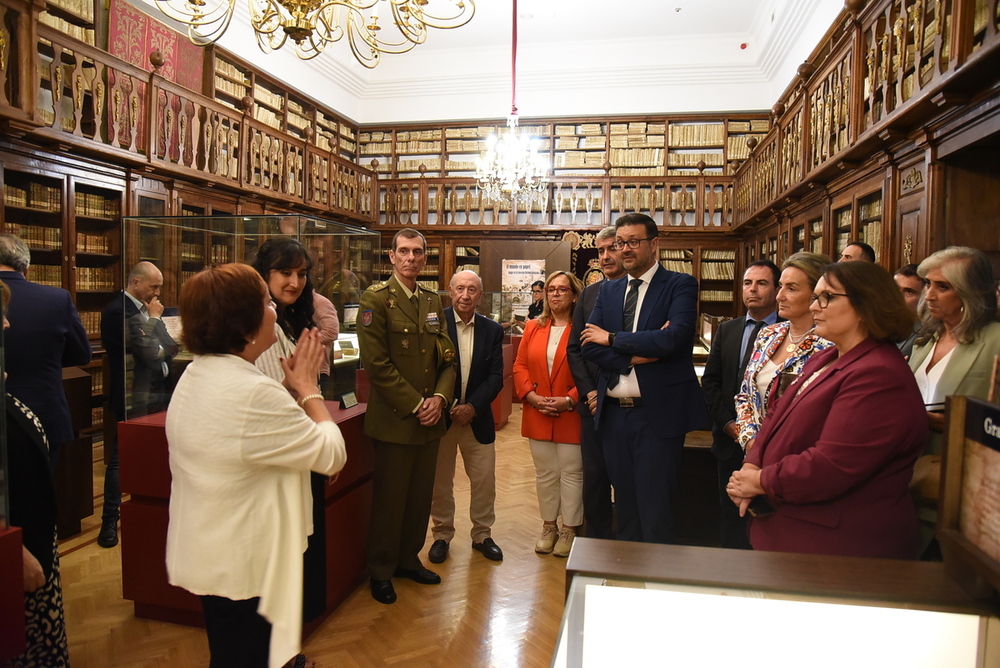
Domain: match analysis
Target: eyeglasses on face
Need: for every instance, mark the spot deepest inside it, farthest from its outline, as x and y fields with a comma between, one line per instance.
x=562, y=289
x=631, y=243
x=824, y=297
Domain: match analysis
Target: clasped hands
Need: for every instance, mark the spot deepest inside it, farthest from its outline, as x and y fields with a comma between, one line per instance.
x=743, y=486
x=549, y=406
x=429, y=413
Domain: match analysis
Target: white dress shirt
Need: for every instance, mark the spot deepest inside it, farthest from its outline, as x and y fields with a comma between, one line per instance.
x=628, y=384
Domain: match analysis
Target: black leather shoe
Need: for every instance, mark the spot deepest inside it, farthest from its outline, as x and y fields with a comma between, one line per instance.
x=420, y=575
x=438, y=552
x=383, y=592
x=109, y=534
x=489, y=549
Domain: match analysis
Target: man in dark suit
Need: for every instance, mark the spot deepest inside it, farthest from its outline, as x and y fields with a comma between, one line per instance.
x=641, y=335
x=721, y=381
x=479, y=345
x=45, y=335
x=596, y=481
x=131, y=326
x=409, y=360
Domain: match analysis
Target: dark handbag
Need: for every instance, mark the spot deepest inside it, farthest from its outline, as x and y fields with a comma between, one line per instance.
x=760, y=507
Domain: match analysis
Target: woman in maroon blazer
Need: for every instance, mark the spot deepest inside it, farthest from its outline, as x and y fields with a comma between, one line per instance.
x=831, y=470
x=544, y=382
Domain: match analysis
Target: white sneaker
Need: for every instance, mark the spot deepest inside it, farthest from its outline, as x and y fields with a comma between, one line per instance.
x=545, y=543
x=565, y=542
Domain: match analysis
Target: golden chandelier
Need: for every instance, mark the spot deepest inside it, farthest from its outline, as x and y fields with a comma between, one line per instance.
x=312, y=24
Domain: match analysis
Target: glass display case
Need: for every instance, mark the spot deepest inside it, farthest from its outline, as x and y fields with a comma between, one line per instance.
x=343, y=265
x=3, y=425
x=637, y=604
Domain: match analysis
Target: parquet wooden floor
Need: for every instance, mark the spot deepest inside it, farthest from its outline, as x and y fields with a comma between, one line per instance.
x=501, y=615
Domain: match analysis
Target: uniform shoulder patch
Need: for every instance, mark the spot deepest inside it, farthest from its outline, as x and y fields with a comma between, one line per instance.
x=366, y=318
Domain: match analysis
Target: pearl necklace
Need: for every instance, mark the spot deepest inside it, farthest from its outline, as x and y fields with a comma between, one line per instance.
x=790, y=348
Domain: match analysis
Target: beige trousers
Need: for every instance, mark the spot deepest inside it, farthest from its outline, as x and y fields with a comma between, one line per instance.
x=558, y=481
x=480, y=466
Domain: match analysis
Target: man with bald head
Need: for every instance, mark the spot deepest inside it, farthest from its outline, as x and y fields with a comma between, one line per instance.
x=478, y=341
x=133, y=335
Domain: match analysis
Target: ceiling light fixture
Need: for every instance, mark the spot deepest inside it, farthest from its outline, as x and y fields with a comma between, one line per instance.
x=313, y=24
x=512, y=170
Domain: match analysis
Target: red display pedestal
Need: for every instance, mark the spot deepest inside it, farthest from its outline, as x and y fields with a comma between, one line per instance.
x=12, y=639
x=145, y=475
x=501, y=405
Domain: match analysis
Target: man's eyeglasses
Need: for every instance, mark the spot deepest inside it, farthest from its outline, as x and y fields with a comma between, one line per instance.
x=824, y=297
x=562, y=289
x=631, y=243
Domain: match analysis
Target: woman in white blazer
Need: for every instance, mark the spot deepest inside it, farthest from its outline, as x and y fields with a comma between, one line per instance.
x=241, y=449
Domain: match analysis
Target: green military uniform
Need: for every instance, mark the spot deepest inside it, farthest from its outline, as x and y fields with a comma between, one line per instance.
x=407, y=356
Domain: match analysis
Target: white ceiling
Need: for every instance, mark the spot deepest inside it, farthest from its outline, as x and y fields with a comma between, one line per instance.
x=575, y=58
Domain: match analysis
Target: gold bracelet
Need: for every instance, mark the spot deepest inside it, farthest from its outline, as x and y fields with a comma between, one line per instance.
x=303, y=400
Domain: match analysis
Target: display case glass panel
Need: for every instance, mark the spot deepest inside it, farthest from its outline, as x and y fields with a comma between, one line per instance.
x=343, y=258
x=3, y=425
x=633, y=622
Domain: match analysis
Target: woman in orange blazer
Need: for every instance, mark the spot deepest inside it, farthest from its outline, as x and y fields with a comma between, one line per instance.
x=545, y=384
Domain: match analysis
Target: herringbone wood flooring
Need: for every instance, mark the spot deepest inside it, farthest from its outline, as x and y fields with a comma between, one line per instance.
x=484, y=613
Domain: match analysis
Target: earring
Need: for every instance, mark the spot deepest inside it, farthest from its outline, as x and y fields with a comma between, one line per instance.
x=253, y=342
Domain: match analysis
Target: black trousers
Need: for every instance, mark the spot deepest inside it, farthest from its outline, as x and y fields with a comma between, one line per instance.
x=596, y=482
x=733, y=529
x=645, y=469
x=238, y=637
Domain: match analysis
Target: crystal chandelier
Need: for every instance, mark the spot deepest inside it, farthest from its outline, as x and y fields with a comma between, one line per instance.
x=313, y=24
x=512, y=170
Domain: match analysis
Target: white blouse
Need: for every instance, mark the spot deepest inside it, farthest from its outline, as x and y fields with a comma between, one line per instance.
x=555, y=335
x=927, y=380
x=240, y=503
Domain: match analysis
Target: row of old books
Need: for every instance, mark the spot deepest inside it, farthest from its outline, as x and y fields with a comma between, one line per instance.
x=637, y=141
x=230, y=88
x=692, y=159
x=268, y=97
x=737, y=148
x=95, y=278
x=37, y=236
x=637, y=157
x=230, y=70
x=91, y=322
x=696, y=134
x=680, y=266
x=717, y=295
x=718, y=271
x=637, y=128
x=79, y=32
x=760, y=125
x=418, y=135
x=94, y=205
x=35, y=196
x=92, y=243
x=718, y=254
x=417, y=146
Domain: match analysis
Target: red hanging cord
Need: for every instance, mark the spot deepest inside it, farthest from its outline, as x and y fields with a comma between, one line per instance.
x=513, y=64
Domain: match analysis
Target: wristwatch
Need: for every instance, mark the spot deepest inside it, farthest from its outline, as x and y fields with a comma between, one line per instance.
x=611, y=339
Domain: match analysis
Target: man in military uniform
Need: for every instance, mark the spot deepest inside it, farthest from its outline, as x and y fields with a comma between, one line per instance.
x=409, y=360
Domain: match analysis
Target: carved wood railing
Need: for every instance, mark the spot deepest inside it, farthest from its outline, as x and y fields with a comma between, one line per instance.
x=693, y=203
x=82, y=98
x=882, y=69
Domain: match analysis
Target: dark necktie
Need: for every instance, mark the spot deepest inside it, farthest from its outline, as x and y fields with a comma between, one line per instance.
x=631, y=299
x=757, y=324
